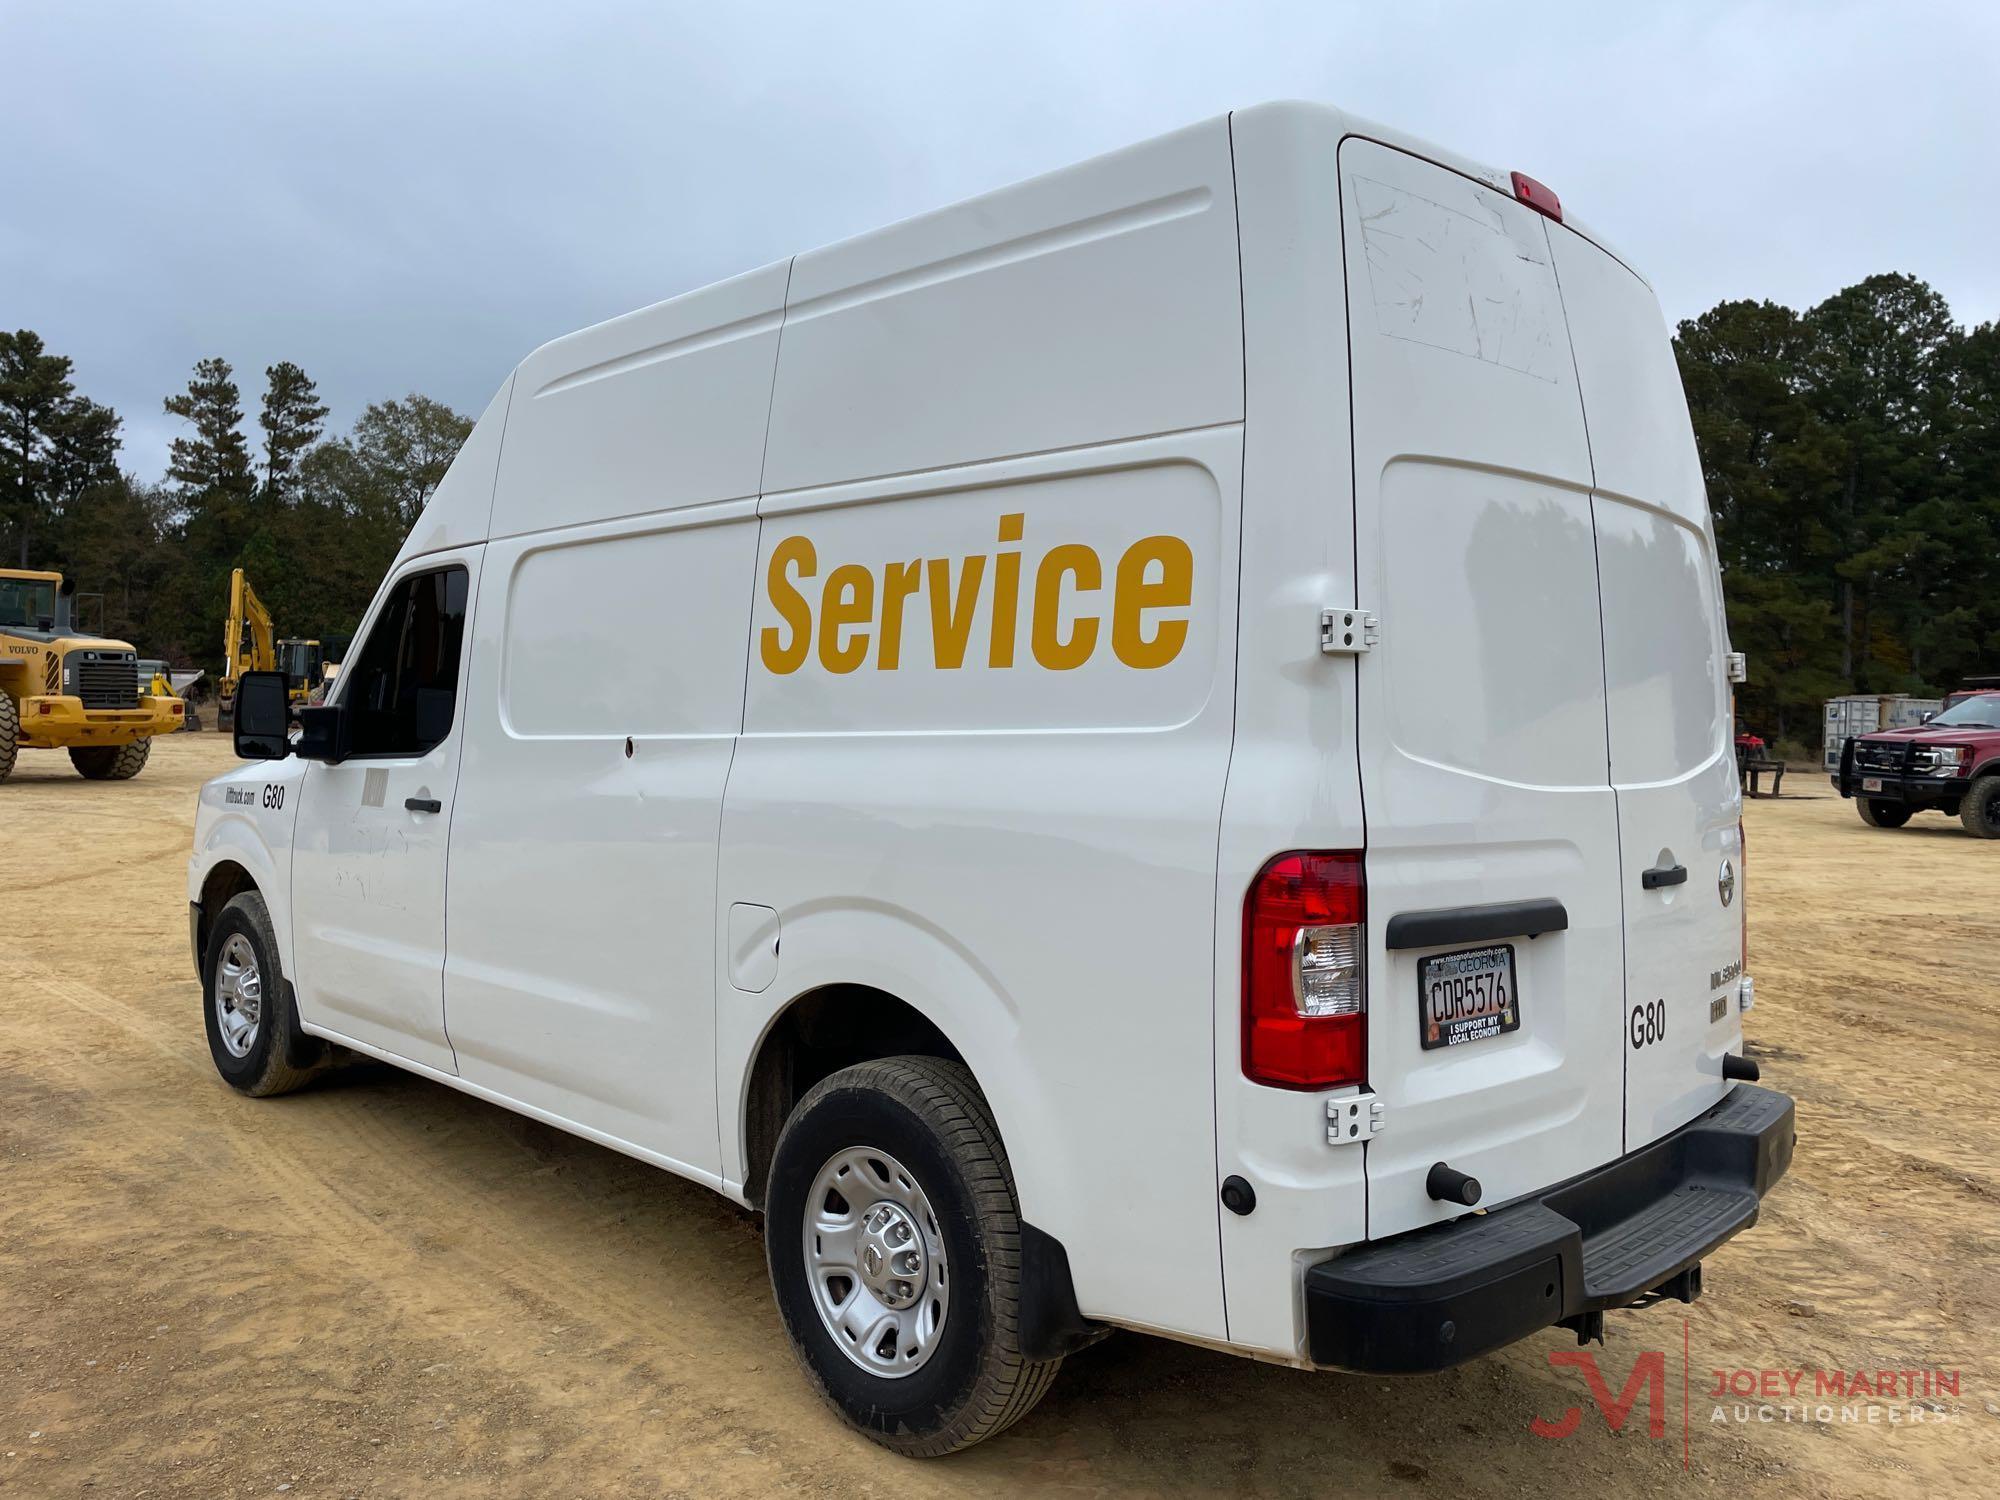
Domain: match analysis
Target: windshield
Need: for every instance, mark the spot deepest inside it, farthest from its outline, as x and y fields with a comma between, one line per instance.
x=26, y=601
x=1981, y=712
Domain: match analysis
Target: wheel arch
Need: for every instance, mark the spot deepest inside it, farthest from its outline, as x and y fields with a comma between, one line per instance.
x=234, y=840
x=836, y=1025
x=816, y=1033
x=226, y=879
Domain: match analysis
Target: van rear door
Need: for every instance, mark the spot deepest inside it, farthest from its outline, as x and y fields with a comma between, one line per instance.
x=1495, y=963
x=1672, y=762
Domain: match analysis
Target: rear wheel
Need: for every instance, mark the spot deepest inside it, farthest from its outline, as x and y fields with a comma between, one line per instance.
x=894, y=1242
x=1980, y=811
x=1883, y=814
x=10, y=735
x=111, y=762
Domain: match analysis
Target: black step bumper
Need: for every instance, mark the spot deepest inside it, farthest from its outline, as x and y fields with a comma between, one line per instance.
x=1617, y=1236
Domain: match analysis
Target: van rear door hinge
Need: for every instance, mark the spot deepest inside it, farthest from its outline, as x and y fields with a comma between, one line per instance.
x=1347, y=632
x=1352, y=1118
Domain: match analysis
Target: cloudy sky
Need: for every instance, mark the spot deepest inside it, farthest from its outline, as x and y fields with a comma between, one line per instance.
x=411, y=196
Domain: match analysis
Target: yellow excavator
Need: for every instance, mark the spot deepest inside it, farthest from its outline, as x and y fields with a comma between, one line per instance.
x=60, y=690
x=250, y=644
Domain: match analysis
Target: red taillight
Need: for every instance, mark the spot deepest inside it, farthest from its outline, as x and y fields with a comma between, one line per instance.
x=1305, y=1019
x=1537, y=197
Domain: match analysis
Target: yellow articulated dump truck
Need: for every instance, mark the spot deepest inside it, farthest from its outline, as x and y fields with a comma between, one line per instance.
x=64, y=691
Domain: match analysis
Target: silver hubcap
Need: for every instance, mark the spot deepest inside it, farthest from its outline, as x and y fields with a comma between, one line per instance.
x=876, y=1262
x=239, y=995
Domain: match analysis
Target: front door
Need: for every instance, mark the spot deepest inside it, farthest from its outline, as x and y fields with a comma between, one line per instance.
x=368, y=861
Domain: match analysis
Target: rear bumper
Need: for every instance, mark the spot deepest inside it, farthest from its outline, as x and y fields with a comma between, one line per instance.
x=1639, y=1226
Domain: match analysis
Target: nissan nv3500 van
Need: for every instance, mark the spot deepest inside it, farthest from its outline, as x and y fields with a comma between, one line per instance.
x=1150, y=750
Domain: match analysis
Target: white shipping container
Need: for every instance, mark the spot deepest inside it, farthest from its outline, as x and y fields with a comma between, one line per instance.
x=1866, y=713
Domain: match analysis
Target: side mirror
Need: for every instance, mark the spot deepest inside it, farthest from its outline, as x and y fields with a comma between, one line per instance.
x=325, y=733
x=263, y=715
x=1927, y=716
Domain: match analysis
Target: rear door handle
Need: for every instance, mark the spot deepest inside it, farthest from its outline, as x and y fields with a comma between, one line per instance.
x=431, y=805
x=1661, y=875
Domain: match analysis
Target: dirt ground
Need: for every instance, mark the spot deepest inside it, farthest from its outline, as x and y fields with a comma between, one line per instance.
x=382, y=1287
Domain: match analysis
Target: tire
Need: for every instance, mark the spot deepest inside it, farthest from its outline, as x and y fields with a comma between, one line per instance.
x=919, y=1137
x=1980, y=811
x=1883, y=814
x=10, y=735
x=111, y=762
x=257, y=1060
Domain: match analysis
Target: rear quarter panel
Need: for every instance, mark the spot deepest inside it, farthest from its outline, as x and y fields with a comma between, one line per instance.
x=1021, y=846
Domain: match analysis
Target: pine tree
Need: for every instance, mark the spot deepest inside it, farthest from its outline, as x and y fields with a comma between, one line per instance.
x=293, y=420
x=54, y=444
x=215, y=462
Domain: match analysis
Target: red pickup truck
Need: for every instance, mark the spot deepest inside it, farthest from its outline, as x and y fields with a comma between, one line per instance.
x=1950, y=763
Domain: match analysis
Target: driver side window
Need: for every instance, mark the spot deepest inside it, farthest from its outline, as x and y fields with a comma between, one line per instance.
x=402, y=690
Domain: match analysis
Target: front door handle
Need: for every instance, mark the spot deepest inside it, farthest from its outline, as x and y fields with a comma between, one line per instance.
x=431, y=805
x=1661, y=875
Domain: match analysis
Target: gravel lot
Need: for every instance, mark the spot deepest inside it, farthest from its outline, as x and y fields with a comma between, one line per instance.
x=381, y=1287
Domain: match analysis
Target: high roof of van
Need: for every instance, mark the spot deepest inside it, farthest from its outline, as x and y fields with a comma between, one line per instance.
x=1068, y=206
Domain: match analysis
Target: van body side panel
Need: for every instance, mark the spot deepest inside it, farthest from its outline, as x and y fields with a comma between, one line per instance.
x=1089, y=305
x=1667, y=697
x=1484, y=753
x=606, y=688
x=1294, y=775
x=659, y=409
x=1025, y=852
x=988, y=713
x=581, y=969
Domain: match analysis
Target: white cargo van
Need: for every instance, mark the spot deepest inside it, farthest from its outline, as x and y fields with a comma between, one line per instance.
x=1149, y=750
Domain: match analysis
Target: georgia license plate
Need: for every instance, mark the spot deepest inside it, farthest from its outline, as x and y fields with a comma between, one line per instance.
x=1871, y=783
x=1467, y=996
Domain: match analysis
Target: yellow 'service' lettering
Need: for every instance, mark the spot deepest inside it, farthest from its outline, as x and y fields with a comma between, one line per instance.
x=1152, y=590
x=779, y=655
x=951, y=618
x=1006, y=595
x=1080, y=563
x=899, y=581
x=849, y=600
x=1173, y=589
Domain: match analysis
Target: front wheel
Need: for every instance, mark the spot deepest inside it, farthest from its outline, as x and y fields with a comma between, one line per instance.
x=894, y=1243
x=252, y=1028
x=1883, y=814
x=1980, y=811
x=111, y=762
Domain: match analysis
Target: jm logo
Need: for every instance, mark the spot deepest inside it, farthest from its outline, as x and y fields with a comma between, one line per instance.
x=1648, y=1377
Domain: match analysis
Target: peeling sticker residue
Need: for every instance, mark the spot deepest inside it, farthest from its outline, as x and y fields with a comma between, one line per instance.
x=374, y=787
x=1473, y=283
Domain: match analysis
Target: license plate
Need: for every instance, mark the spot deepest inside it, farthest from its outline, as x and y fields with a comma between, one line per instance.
x=1467, y=996
x=1871, y=783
